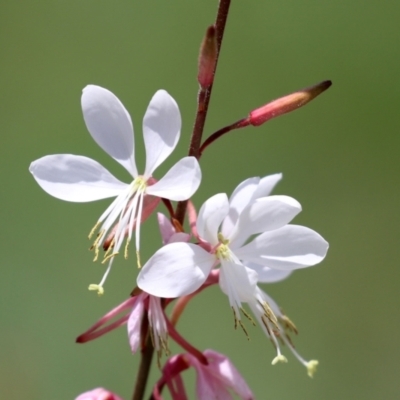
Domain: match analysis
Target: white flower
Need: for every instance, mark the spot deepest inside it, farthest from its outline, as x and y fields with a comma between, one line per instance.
x=81, y=179
x=224, y=227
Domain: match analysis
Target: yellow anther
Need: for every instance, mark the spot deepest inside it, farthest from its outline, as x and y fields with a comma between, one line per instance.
x=94, y=229
x=244, y=329
x=269, y=314
x=138, y=259
x=248, y=316
x=223, y=252
x=312, y=368
x=279, y=358
x=98, y=288
x=109, y=256
x=222, y=240
x=288, y=324
x=96, y=253
x=126, y=249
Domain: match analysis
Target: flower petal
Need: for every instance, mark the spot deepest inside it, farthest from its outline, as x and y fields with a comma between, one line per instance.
x=264, y=214
x=239, y=199
x=166, y=228
x=266, y=185
x=237, y=282
x=75, y=178
x=287, y=248
x=211, y=214
x=180, y=182
x=98, y=394
x=161, y=130
x=216, y=378
x=135, y=322
x=245, y=193
x=176, y=269
x=269, y=275
x=223, y=369
x=110, y=125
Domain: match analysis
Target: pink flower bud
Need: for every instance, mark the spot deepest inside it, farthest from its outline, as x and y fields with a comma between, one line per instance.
x=215, y=380
x=98, y=394
x=208, y=58
x=287, y=103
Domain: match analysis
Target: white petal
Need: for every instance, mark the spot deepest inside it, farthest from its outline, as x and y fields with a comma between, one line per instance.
x=110, y=125
x=288, y=248
x=239, y=199
x=75, y=178
x=180, y=182
x=269, y=275
x=264, y=214
x=211, y=214
x=179, y=237
x=266, y=185
x=237, y=282
x=161, y=130
x=177, y=269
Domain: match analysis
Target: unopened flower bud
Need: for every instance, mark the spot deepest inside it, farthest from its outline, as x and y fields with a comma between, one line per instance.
x=286, y=104
x=208, y=58
x=98, y=394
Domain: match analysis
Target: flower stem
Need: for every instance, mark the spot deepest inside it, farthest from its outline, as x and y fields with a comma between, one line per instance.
x=195, y=142
x=216, y=135
x=144, y=369
x=203, y=100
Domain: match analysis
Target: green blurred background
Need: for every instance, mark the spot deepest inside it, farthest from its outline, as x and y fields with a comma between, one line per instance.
x=339, y=156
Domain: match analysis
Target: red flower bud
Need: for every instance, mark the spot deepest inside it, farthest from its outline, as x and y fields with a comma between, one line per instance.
x=207, y=58
x=287, y=103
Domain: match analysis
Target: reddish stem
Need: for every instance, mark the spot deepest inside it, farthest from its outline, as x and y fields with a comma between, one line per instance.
x=239, y=124
x=183, y=343
x=204, y=100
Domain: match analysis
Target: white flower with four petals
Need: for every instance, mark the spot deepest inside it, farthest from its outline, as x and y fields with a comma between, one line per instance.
x=81, y=179
x=226, y=230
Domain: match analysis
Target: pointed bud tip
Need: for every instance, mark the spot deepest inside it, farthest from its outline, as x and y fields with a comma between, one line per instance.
x=80, y=339
x=207, y=58
x=287, y=103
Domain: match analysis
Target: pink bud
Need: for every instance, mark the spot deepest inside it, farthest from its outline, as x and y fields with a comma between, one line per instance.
x=287, y=103
x=208, y=58
x=98, y=394
x=215, y=380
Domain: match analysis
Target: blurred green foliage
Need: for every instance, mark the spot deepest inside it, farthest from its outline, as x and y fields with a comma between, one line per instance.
x=339, y=156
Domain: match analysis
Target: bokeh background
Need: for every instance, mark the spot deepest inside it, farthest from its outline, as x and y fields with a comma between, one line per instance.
x=339, y=156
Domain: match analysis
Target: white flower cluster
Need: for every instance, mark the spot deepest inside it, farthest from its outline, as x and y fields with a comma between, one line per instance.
x=247, y=237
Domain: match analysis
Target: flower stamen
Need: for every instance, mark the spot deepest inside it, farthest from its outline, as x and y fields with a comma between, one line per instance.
x=98, y=288
x=109, y=256
x=94, y=229
x=279, y=358
x=126, y=249
x=138, y=259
